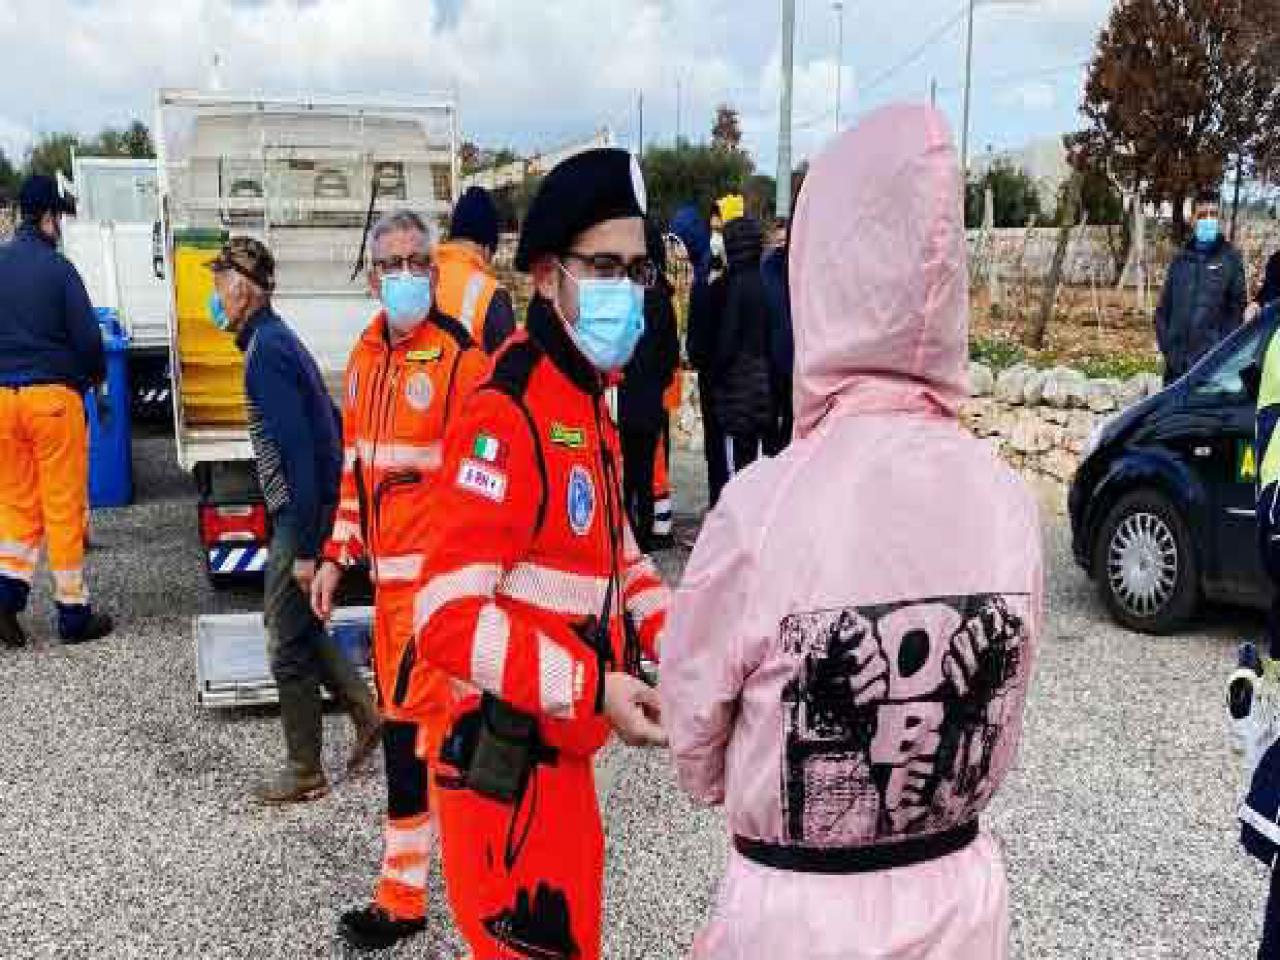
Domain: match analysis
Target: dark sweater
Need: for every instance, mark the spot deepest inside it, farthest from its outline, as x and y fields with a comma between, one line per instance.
x=294, y=427
x=48, y=331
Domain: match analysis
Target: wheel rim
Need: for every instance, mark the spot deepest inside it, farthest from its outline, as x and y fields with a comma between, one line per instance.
x=1142, y=564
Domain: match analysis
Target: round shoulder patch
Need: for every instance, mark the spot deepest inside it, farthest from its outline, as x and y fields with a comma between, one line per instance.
x=418, y=391
x=581, y=500
x=637, y=185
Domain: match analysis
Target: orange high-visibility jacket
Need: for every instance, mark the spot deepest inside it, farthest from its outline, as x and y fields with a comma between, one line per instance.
x=467, y=290
x=398, y=401
x=523, y=536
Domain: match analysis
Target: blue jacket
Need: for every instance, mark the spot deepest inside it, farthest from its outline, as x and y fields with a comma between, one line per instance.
x=1202, y=302
x=48, y=331
x=295, y=430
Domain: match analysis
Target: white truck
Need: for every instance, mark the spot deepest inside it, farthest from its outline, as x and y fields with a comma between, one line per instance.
x=307, y=177
x=112, y=242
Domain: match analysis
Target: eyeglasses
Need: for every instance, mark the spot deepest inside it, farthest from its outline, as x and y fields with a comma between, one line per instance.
x=415, y=263
x=609, y=266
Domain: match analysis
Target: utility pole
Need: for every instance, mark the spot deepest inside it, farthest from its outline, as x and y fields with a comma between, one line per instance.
x=783, y=199
x=838, y=6
x=933, y=92
x=968, y=89
x=640, y=150
x=678, y=92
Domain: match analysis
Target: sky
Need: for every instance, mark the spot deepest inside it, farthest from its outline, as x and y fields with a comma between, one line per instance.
x=535, y=74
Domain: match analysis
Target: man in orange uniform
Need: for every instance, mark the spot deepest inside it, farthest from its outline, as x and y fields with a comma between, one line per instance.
x=468, y=290
x=50, y=354
x=535, y=598
x=407, y=378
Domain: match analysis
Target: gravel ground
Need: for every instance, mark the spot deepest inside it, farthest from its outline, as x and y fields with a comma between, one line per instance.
x=125, y=832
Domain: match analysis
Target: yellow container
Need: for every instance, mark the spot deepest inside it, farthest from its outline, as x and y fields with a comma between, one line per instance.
x=194, y=281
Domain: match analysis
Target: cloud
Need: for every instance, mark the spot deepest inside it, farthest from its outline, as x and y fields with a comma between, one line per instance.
x=526, y=74
x=1034, y=95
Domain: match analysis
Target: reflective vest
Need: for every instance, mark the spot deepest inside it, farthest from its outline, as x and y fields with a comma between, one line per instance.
x=524, y=537
x=465, y=287
x=397, y=402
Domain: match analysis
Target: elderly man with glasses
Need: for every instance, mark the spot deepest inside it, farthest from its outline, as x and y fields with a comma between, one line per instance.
x=406, y=380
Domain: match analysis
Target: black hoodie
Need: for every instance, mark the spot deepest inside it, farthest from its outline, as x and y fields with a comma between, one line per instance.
x=739, y=370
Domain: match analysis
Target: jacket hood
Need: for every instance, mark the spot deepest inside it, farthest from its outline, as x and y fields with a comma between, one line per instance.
x=692, y=230
x=879, y=271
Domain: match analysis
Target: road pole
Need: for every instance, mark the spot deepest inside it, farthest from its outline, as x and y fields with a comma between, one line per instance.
x=783, y=198
x=968, y=90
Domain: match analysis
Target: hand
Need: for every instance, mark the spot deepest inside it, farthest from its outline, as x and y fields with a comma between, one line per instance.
x=304, y=571
x=1251, y=312
x=634, y=710
x=323, y=587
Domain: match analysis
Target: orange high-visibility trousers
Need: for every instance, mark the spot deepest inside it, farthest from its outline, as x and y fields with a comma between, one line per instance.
x=44, y=486
x=525, y=879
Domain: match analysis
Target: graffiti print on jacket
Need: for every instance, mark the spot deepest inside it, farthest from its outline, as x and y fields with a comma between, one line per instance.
x=901, y=718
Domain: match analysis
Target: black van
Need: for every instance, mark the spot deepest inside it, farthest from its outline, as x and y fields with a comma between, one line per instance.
x=1162, y=505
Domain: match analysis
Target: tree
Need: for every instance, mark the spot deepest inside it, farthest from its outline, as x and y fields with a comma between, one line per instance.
x=726, y=132
x=761, y=195
x=52, y=153
x=1017, y=201
x=469, y=157
x=9, y=181
x=1173, y=91
x=691, y=174
x=137, y=141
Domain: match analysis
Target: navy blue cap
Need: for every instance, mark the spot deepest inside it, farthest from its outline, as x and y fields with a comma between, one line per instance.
x=475, y=218
x=589, y=188
x=39, y=195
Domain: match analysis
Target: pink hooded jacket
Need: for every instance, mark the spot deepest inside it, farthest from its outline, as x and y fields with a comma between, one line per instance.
x=848, y=656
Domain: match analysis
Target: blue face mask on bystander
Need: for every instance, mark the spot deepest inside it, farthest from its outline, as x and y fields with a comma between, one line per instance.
x=1207, y=231
x=407, y=299
x=218, y=311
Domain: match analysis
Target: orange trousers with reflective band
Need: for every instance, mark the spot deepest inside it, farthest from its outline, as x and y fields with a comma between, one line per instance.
x=44, y=483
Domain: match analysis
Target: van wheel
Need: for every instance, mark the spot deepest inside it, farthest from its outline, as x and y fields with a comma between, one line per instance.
x=1146, y=565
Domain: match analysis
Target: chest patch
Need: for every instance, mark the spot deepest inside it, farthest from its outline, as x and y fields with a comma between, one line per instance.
x=581, y=500
x=424, y=356
x=418, y=391
x=574, y=438
x=482, y=479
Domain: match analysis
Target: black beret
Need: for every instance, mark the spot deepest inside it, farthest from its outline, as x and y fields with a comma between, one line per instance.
x=588, y=188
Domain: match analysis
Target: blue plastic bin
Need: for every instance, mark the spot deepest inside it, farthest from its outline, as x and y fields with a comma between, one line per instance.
x=110, y=430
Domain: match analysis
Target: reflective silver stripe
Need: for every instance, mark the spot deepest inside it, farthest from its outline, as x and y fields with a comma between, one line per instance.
x=351, y=506
x=407, y=859
x=13, y=572
x=648, y=602
x=639, y=569
x=387, y=456
x=68, y=586
x=402, y=569
x=344, y=530
x=555, y=679
x=554, y=590
x=1239, y=512
x=662, y=526
x=471, y=300
x=349, y=458
x=1260, y=823
x=477, y=580
x=19, y=551
x=489, y=648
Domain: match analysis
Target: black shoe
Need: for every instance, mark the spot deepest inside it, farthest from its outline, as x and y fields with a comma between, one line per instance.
x=372, y=928
x=662, y=541
x=98, y=625
x=11, y=633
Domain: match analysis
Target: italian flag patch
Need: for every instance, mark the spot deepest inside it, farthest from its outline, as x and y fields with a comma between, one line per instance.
x=486, y=448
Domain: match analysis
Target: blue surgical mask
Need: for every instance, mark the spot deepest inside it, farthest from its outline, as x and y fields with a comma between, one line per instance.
x=407, y=298
x=218, y=311
x=1207, y=231
x=610, y=321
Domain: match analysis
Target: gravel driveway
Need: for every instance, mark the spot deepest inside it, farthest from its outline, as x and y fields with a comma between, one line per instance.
x=125, y=832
